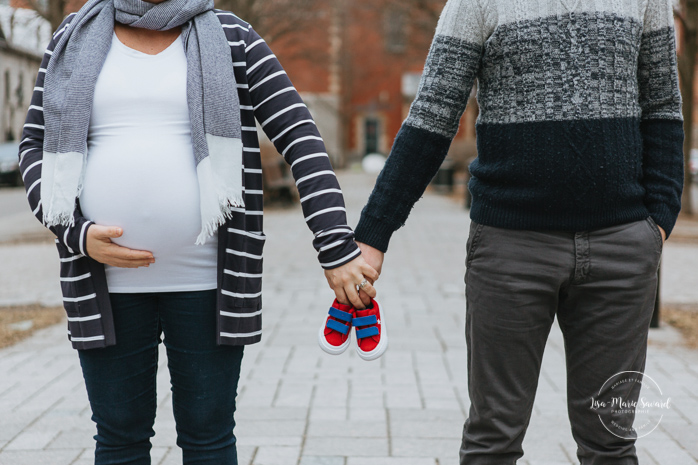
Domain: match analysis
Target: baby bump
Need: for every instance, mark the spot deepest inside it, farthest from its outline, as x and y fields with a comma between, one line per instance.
x=150, y=192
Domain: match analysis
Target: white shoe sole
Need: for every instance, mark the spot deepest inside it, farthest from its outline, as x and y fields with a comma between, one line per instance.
x=329, y=348
x=382, y=345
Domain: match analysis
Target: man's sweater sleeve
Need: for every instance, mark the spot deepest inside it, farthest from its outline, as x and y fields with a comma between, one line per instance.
x=31, y=152
x=662, y=122
x=425, y=137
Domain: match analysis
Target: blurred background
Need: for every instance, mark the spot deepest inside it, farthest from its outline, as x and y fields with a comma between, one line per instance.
x=357, y=64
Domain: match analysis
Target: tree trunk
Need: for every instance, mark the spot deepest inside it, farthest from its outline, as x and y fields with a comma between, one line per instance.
x=55, y=13
x=687, y=72
x=688, y=65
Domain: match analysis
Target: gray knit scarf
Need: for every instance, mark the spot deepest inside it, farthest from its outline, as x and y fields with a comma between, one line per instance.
x=214, y=107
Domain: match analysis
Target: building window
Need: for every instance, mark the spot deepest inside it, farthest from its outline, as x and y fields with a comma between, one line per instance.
x=371, y=135
x=395, y=29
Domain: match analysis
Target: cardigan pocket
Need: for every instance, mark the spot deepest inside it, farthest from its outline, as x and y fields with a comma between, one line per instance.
x=242, y=276
x=85, y=325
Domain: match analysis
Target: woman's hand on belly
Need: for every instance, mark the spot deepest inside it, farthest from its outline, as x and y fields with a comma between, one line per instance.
x=99, y=246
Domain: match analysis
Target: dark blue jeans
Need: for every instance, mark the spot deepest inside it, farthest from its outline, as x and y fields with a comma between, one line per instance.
x=121, y=379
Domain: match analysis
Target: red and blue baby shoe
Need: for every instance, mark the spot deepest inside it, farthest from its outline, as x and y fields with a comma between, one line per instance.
x=334, y=336
x=335, y=333
x=371, y=331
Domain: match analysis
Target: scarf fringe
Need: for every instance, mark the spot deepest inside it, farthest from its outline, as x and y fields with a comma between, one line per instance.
x=210, y=227
x=61, y=184
x=52, y=218
x=220, y=186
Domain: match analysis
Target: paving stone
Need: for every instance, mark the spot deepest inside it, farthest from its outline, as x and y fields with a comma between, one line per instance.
x=75, y=438
x=271, y=427
x=245, y=454
x=323, y=413
x=39, y=457
x=389, y=461
x=663, y=450
x=348, y=428
x=441, y=429
x=274, y=455
x=419, y=447
x=318, y=460
x=285, y=441
x=293, y=395
x=31, y=440
x=271, y=413
x=355, y=447
x=173, y=456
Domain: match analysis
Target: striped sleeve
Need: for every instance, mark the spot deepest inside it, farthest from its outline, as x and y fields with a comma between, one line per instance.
x=31, y=157
x=287, y=122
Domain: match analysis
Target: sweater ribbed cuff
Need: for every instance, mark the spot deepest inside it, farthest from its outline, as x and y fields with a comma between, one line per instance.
x=374, y=232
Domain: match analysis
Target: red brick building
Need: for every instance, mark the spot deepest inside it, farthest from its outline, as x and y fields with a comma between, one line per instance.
x=358, y=69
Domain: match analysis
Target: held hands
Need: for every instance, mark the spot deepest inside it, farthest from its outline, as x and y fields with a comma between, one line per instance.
x=99, y=246
x=373, y=257
x=345, y=279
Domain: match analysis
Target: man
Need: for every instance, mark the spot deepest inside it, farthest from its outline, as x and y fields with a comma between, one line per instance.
x=577, y=184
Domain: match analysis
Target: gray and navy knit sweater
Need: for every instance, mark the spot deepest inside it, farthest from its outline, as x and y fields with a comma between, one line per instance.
x=580, y=122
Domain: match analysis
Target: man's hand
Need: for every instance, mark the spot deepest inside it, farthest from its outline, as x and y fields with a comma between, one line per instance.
x=99, y=246
x=346, y=278
x=663, y=233
x=374, y=258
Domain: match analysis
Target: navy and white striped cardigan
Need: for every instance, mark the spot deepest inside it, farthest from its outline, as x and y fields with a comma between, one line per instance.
x=267, y=95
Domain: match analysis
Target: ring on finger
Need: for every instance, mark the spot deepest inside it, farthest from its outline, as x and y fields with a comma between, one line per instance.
x=363, y=284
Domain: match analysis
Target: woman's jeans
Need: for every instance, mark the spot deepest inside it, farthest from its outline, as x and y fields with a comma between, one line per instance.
x=120, y=379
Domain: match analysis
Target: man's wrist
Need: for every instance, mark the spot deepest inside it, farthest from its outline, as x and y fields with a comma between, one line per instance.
x=374, y=232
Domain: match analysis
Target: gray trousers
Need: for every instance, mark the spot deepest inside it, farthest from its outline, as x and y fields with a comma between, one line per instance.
x=601, y=285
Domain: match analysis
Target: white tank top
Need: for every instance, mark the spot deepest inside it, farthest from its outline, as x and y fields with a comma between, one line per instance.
x=141, y=173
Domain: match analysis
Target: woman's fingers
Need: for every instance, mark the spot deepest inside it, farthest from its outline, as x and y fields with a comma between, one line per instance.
x=124, y=253
x=105, y=232
x=369, y=290
x=345, y=279
x=341, y=296
x=367, y=293
x=353, y=296
x=129, y=263
x=100, y=247
x=365, y=298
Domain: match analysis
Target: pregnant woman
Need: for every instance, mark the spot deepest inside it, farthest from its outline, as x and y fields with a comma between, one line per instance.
x=140, y=153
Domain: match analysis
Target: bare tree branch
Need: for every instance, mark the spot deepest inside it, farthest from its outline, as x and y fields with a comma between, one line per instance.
x=34, y=5
x=276, y=19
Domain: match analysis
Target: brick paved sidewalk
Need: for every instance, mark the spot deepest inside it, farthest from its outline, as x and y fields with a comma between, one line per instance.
x=298, y=406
